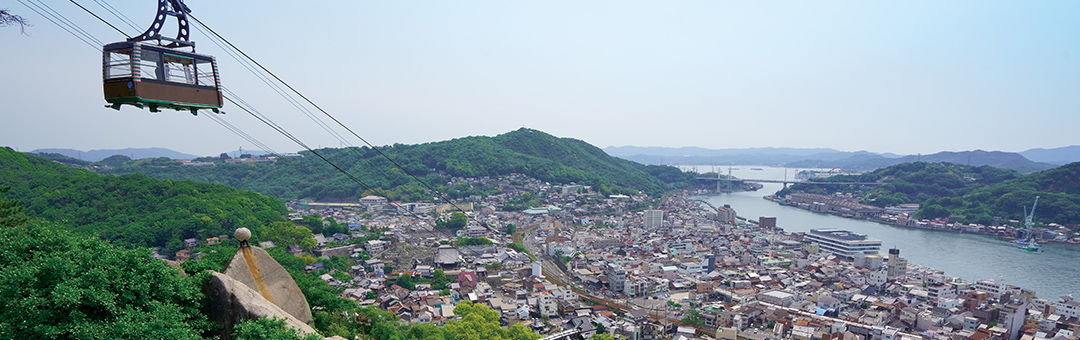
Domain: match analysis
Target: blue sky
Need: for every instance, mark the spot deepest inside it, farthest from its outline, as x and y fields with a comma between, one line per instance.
x=906, y=77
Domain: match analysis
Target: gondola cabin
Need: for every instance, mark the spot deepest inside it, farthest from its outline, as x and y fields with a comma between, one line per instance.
x=147, y=75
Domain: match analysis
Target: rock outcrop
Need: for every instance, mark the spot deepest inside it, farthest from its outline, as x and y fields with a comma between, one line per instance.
x=235, y=302
x=282, y=288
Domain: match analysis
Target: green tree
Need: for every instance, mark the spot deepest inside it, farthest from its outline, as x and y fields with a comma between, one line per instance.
x=692, y=317
x=268, y=329
x=11, y=214
x=603, y=336
x=457, y=220
x=480, y=322
x=131, y=210
x=59, y=285
x=285, y=233
x=425, y=331
x=439, y=280
x=518, y=246
x=405, y=281
x=472, y=241
x=313, y=222
x=511, y=229
x=933, y=211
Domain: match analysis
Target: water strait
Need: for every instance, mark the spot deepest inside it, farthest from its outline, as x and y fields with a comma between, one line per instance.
x=1051, y=273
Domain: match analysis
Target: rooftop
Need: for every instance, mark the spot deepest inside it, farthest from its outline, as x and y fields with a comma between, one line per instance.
x=839, y=234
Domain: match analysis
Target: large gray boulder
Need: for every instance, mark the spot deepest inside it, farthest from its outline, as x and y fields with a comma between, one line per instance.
x=283, y=289
x=234, y=302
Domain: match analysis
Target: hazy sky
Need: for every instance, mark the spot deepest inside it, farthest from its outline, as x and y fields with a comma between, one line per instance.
x=904, y=77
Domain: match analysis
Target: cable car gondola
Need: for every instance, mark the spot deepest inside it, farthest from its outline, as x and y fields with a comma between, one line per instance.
x=144, y=72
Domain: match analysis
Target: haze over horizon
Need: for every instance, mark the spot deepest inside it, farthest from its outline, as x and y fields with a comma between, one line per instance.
x=903, y=78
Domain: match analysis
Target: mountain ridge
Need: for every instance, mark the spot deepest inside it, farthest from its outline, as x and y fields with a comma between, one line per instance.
x=829, y=158
x=100, y=154
x=533, y=153
x=1060, y=156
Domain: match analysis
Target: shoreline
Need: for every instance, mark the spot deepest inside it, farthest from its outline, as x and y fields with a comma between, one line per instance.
x=774, y=199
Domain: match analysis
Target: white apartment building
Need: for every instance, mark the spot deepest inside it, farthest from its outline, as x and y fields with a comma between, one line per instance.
x=726, y=215
x=616, y=277
x=635, y=286
x=546, y=304
x=564, y=248
x=375, y=246
x=877, y=278
x=993, y=286
x=941, y=291
x=1067, y=307
x=564, y=294
x=842, y=242
x=654, y=218
x=688, y=268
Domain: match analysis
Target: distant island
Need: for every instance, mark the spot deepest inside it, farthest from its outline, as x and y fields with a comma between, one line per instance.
x=1024, y=162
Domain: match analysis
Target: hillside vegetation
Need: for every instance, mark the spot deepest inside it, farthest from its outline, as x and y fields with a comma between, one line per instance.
x=972, y=194
x=57, y=281
x=1058, y=188
x=133, y=210
x=524, y=151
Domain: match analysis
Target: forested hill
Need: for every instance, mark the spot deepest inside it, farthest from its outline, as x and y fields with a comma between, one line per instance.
x=133, y=209
x=1058, y=188
x=970, y=194
x=524, y=151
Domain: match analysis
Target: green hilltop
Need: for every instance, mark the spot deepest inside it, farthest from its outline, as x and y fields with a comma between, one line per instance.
x=60, y=282
x=524, y=151
x=132, y=210
x=968, y=193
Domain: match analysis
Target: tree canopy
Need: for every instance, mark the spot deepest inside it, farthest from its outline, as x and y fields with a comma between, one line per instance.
x=55, y=284
x=132, y=210
x=457, y=220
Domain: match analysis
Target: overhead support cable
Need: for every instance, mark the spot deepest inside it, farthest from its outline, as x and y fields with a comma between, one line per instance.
x=243, y=105
x=276, y=88
x=99, y=18
x=65, y=20
x=237, y=131
x=309, y=101
x=131, y=23
x=76, y=35
x=301, y=143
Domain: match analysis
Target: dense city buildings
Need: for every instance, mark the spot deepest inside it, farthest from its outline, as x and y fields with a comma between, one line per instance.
x=639, y=267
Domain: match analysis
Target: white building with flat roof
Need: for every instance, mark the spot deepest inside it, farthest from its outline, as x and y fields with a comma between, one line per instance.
x=842, y=242
x=778, y=297
x=993, y=286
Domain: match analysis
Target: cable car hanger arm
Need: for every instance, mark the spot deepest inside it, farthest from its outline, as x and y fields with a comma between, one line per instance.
x=167, y=8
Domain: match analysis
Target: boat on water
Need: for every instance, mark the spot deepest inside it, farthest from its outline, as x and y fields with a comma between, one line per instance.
x=757, y=169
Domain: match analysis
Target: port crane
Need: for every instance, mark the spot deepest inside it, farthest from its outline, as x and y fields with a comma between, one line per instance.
x=1028, y=223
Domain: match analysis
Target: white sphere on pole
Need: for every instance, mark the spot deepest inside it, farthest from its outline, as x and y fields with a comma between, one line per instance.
x=242, y=234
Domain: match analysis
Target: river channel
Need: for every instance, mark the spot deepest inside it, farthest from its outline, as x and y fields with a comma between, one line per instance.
x=1051, y=273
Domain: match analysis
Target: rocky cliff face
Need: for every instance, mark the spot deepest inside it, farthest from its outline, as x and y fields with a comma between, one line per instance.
x=282, y=288
x=235, y=302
